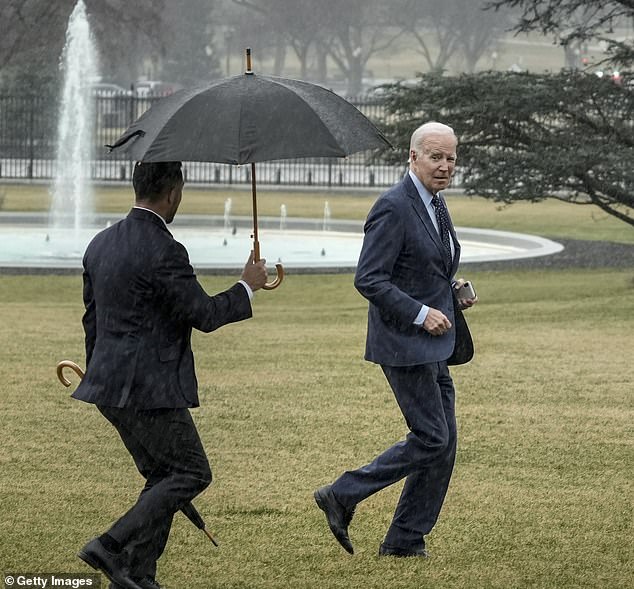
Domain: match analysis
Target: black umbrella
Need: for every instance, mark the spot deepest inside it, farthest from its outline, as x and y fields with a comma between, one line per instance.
x=189, y=510
x=248, y=119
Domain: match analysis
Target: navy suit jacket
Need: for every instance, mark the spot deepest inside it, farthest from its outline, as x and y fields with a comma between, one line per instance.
x=401, y=267
x=142, y=300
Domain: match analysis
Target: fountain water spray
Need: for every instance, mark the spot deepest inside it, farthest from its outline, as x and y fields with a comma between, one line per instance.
x=227, y=214
x=72, y=202
x=283, y=216
x=327, y=216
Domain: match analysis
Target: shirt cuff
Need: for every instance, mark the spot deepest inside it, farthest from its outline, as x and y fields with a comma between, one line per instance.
x=422, y=315
x=247, y=288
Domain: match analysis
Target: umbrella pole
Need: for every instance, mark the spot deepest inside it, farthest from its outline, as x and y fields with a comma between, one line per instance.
x=256, y=242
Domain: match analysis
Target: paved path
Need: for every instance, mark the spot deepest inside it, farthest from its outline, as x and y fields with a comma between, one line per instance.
x=576, y=254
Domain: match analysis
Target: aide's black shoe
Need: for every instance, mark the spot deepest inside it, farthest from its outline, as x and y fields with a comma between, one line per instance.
x=114, y=566
x=147, y=583
x=386, y=550
x=338, y=516
x=144, y=583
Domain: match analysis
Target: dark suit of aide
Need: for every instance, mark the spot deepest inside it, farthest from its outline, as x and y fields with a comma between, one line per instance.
x=142, y=300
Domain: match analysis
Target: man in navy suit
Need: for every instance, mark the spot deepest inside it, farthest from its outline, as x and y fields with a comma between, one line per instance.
x=409, y=256
x=142, y=300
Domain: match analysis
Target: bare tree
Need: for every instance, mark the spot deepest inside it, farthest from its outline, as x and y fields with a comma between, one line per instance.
x=443, y=29
x=358, y=29
x=32, y=32
x=573, y=22
x=295, y=23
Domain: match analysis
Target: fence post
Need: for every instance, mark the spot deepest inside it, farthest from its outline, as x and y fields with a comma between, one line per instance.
x=31, y=140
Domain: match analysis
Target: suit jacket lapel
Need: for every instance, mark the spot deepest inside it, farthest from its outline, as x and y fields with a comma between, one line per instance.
x=422, y=213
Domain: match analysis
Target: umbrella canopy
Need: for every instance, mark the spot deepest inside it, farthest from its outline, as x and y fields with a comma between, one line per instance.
x=249, y=118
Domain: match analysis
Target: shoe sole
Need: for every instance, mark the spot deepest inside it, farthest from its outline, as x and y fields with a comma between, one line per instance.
x=89, y=560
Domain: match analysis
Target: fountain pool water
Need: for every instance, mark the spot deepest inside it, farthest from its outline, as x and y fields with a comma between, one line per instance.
x=25, y=242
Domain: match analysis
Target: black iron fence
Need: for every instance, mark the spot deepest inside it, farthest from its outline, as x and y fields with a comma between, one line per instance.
x=28, y=131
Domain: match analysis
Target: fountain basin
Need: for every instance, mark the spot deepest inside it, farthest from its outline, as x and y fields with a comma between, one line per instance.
x=302, y=245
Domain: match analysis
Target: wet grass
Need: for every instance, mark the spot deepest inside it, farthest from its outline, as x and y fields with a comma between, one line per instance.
x=541, y=495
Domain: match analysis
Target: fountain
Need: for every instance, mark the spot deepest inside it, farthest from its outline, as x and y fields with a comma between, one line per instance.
x=72, y=200
x=283, y=215
x=327, y=216
x=227, y=214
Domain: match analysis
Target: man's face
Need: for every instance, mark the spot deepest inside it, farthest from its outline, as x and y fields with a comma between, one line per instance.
x=175, y=200
x=434, y=161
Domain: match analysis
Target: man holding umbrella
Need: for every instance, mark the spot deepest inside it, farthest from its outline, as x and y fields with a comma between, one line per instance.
x=142, y=300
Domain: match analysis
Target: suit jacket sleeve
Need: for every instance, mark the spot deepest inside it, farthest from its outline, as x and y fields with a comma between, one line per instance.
x=180, y=292
x=374, y=279
x=89, y=320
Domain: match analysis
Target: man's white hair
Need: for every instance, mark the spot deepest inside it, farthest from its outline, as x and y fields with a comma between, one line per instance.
x=432, y=128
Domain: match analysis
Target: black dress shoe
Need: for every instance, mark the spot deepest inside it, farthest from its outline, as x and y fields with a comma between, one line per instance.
x=337, y=515
x=147, y=583
x=144, y=583
x=386, y=550
x=114, y=566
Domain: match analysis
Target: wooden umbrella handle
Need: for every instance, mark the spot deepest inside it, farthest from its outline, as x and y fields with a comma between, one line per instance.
x=278, y=267
x=68, y=364
x=278, y=278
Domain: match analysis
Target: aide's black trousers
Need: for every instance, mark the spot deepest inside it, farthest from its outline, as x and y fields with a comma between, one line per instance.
x=167, y=451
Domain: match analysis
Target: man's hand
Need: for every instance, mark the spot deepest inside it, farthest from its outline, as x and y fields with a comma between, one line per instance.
x=254, y=273
x=464, y=303
x=436, y=322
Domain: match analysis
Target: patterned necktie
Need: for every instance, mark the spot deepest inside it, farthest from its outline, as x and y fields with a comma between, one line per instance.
x=442, y=217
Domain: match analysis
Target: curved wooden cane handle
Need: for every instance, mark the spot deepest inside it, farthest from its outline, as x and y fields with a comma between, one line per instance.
x=278, y=279
x=68, y=364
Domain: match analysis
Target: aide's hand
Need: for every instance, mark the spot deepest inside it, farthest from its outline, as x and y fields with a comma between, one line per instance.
x=254, y=273
x=464, y=303
x=436, y=322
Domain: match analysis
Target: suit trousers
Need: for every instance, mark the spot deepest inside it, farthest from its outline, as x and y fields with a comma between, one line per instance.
x=425, y=458
x=167, y=451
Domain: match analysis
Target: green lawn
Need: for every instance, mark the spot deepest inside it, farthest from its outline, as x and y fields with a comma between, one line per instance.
x=542, y=489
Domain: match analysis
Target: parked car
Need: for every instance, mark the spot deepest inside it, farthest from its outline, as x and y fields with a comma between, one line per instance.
x=106, y=89
x=145, y=88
